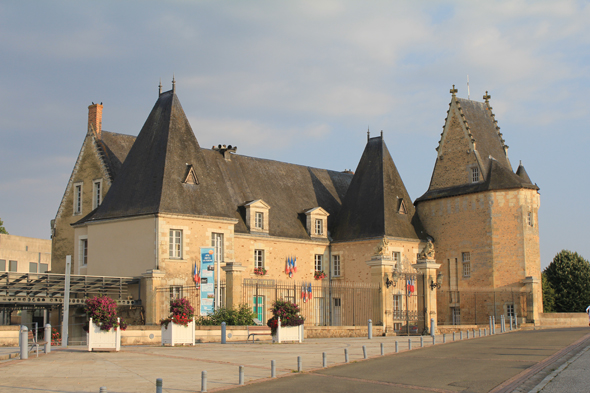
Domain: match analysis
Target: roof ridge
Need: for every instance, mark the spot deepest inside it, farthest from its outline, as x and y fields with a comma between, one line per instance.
x=486, y=98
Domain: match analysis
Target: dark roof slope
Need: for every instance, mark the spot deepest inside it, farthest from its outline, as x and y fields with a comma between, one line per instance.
x=522, y=173
x=372, y=202
x=482, y=126
x=499, y=178
x=114, y=148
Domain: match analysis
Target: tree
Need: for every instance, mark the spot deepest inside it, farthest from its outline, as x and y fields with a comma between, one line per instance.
x=569, y=276
x=2, y=229
x=548, y=295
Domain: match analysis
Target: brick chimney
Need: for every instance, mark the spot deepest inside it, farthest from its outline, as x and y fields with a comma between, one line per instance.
x=95, y=119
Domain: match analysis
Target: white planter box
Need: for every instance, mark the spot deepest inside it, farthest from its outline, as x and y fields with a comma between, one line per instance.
x=288, y=333
x=178, y=334
x=100, y=339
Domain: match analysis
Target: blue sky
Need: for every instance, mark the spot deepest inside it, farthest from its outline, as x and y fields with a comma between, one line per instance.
x=298, y=81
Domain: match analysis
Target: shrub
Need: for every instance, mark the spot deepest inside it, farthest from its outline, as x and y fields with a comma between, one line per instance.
x=288, y=312
x=103, y=311
x=241, y=316
x=181, y=313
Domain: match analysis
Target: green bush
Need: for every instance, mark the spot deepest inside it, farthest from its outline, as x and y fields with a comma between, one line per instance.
x=241, y=316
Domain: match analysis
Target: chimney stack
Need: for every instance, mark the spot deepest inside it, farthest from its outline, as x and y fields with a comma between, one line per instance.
x=95, y=119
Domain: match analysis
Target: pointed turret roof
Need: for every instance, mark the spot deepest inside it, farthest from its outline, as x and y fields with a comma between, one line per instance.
x=522, y=173
x=377, y=202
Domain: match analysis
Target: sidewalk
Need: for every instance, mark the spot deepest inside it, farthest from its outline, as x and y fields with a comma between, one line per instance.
x=474, y=365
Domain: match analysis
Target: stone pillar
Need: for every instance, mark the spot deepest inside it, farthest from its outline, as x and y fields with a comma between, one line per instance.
x=428, y=268
x=150, y=281
x=233, y=283
x=533, y=288
x=381, y=268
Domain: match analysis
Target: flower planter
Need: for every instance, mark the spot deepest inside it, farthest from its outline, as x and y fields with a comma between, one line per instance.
x=178, y=334
x=288, y=333
x=101, y=339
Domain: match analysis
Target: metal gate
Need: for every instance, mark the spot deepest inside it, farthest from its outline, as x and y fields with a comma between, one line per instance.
x=408, y=303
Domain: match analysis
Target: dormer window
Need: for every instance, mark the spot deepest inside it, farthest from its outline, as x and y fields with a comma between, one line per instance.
x=474, y=174
x=401, y=209
x=316, y=222
x=257, y=215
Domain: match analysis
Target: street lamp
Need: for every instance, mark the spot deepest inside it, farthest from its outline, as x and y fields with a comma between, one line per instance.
x=439, y=281
x=393, y=281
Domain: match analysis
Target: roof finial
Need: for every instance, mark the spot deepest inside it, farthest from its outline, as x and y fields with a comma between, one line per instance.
x=160, y=87
x=487, y=96
x=454, y=91
x=368, y=134
x=468, y=92
x=381, y=134
x=173, y=85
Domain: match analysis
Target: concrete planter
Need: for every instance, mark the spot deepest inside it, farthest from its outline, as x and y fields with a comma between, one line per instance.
x=288, y=333
x=100, y=339
x=177, y=334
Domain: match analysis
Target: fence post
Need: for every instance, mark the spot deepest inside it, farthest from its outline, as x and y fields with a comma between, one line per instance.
x=370, y=329
x=47, y=338
x=203, y=381
x=241, y=375
x=24, y=343
x=159, y=385
x=223, y=335
x=345, y=355
x=365, y=351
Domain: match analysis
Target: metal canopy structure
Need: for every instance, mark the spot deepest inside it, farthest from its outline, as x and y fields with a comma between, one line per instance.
x=45, y=289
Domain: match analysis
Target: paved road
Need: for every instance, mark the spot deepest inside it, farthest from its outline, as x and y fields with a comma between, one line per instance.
x=498, y=363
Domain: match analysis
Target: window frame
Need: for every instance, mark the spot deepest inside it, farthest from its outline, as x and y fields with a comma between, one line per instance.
x=218, y=243
x=175, y=292
x=474, y=174
x=10, y=264
x=3, y=265
x=336, y=266
x=31, y=264
x=96, y=193
x=78, y=192
x=175, y=244
x=530, y=219
x=259, y=220
x=83, y=251
x=318, y=261
x=44, y=267
x=466, y=261
x=319, y=226
x=259, y=259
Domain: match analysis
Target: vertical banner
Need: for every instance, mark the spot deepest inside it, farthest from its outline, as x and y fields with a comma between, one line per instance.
x=207, y=280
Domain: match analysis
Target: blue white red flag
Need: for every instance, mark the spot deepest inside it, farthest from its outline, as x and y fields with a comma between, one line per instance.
x=309, y=290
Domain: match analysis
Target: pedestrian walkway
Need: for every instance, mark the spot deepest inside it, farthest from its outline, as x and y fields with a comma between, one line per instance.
x=474, y=365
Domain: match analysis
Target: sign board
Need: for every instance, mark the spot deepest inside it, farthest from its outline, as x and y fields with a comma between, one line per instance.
x=207, y=280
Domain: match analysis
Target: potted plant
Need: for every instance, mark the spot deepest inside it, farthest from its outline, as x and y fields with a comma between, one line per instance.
x=286, y=324
x=103, y=328
x=319, y=275
x=260, y=271
x=179, y=327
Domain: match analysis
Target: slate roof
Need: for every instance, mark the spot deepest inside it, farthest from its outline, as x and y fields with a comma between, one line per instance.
x=522, y=173
x=114, y=149
x=498, y=178
x=371, y=206
x=151, y=179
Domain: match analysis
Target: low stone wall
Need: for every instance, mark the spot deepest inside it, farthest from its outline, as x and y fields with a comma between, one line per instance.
x=563, y=319
x=152, y=334
x=9, y=336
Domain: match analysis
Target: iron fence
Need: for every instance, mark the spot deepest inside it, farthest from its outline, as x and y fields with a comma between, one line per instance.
x=164, y=295
x=408, y=302
x=322, y=303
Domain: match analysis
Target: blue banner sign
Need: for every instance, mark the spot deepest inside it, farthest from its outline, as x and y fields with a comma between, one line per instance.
x=207, y=280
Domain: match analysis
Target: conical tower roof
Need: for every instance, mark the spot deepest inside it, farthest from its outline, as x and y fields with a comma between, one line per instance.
x=377, y=202
x=522, y=173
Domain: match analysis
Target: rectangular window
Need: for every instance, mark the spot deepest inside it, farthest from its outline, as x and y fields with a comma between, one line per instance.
x=175, y=292
x=258, y=258
x=510, y=311
x=83, y=252
x=530, y=218
x=396, y=256
x=12, y=266
x=397, y=302
x=318, y=262
x=78, y=198
x=336, y=265
x=175, y=244
x=474, y=175
x=2, y=265
x=259, y=220
x=466, y=259
x=96, y=194
x=319, y=227
x=217, y=244
x=43, y=267
x=32, y=267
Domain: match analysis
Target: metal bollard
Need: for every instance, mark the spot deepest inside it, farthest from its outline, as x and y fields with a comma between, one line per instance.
x=223, y=332
x=515, y=320
x=479, y=332
x=273, y=369
x=47, y=338
x=421, y=341
x=409, y=344
x=24, y=343
x=444, y=338
x=324, y=360
x=432, y=327
x=370, y=329
x=453, y=336
x=159, y=385
x=490, y=325
x=103, y=389
x=485, y=332
x=299, y=364
x=382, y=349
x=365, y=351
x=433, y=340
x=511, y=323
x=345, y=355
x=493, y=325
x=396, y=347
x=468, y=334
x=241, y=375
x=203, y=381
x=461, y=335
